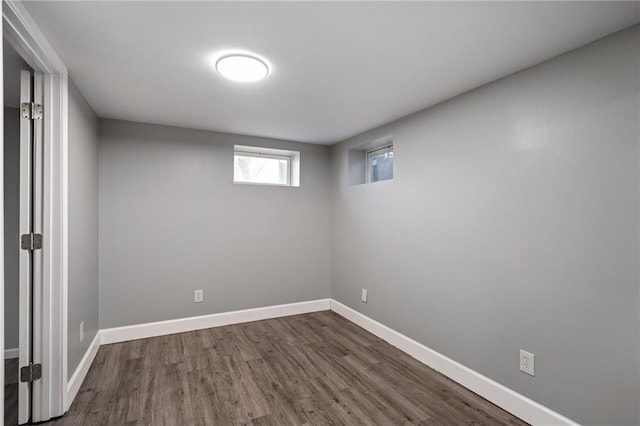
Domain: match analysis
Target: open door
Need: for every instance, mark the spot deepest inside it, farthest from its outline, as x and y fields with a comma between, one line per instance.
x=31, y=190
x=26, y=169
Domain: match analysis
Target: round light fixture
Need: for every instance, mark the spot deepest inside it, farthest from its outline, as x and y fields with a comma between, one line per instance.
x=241, y=67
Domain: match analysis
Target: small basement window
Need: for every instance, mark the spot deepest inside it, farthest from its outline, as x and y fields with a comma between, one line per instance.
x=371, y=161
x=265, y=166
x=380, y=164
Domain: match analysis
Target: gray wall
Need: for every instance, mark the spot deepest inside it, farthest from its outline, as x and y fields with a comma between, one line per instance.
x=11, y=226
x=83, y=226
x=172, y=221
x=512, y=223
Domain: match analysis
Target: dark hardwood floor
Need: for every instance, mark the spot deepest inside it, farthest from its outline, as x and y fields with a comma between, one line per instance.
x=316, y=369
x=11, y=392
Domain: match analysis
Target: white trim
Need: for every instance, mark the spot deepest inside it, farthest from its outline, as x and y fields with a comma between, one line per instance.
x=64, y=228
x=11, y=353
x=2, y=336
x=292, y=158
x=81, y=371
x=517, y=404
x=513, y=402
x=181, y=325
x=162, y=328
x=23, y=34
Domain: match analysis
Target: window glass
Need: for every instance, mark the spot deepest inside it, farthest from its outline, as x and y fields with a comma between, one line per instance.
x=261, y=168
x=380, y=164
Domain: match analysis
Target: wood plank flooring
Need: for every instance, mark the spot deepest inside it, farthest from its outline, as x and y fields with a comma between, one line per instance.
x=313, y=369
x=11, y=392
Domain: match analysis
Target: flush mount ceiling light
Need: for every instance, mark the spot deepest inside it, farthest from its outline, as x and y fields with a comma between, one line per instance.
x=241, y=67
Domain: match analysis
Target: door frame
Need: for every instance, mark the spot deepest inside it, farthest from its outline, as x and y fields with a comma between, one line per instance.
x=22, y=32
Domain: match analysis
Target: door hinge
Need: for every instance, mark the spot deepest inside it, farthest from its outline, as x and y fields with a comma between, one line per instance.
x=31, y=111
x=31, y=373
x=31, y=241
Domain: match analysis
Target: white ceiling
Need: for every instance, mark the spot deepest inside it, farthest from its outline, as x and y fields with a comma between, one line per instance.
x=338, y=68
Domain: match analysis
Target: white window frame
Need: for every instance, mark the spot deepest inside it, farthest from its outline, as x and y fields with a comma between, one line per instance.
x=291, y=157
x=370, y=155
x=286, y=158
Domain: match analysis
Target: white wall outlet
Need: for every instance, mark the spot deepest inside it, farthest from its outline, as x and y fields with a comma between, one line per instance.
x=364, y=295
x=526, y=362
x=82, y=331
x=198, y=296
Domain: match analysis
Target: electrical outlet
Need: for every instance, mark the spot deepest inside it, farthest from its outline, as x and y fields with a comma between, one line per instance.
x=82, y=331
x=198, y=296
x=364, y=295
x=526, y=362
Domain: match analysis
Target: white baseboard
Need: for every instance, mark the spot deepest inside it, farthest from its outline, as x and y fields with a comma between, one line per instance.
x=511, y=401
x=162, y=328
x=73, y=385
x=11, y=353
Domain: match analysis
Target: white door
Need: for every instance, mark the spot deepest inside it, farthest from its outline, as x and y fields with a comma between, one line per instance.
x=31, y=192
x=26, y=215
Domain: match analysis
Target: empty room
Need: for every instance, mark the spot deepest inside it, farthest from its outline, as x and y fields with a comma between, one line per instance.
x=320, y=213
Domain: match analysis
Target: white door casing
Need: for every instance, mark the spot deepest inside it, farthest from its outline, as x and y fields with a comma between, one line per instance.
x=50, y=393
x=38, y=289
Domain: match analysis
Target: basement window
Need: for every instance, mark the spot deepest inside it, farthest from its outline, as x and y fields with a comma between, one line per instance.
x=371, y=161
x=380, y=164
x=265, y=166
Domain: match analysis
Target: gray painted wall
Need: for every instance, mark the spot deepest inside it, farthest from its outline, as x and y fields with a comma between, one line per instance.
x=172, y=221
x=83, y=226
x=512, y=223
x=11, y=226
